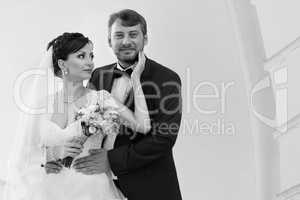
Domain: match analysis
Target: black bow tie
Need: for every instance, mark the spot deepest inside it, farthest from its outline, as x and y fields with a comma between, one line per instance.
x=117, y=73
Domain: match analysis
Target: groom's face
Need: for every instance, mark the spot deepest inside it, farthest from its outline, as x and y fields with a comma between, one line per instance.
x=126, y=41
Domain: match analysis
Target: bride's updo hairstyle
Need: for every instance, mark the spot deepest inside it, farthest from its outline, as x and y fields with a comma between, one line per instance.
x=64, y=45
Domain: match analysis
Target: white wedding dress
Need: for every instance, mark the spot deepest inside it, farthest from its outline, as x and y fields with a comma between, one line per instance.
x=27, y=180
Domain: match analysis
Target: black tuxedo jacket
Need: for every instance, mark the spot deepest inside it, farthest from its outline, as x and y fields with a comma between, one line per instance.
x=144, y=164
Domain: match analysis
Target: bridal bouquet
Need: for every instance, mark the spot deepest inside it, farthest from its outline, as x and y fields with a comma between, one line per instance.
x=96, y=119
x=100, y=117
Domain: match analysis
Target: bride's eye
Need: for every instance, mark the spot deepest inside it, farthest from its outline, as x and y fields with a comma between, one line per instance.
x=81, y=56
x=92, y=56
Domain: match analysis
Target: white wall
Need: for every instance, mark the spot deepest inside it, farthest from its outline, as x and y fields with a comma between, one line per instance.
x=279, y=26
x=194, y=38
x=278, y=19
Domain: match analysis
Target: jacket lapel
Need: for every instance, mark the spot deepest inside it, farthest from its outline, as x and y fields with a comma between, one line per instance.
x=146, y=73
x=106, y=78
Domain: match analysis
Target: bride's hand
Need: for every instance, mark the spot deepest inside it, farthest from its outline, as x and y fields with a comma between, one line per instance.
x=139, y=68
x=53, y=167
x=71, y=148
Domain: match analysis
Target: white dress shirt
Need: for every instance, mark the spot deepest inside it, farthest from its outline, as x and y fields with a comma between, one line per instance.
x=121, y=86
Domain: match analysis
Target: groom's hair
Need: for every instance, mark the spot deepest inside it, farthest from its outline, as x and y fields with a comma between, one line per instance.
x=128, y=18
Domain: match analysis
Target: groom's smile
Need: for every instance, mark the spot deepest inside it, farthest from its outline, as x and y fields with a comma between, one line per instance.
x=128, y=52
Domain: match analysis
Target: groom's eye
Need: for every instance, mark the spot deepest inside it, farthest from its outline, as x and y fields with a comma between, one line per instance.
x=133, y=35
x=118, y=36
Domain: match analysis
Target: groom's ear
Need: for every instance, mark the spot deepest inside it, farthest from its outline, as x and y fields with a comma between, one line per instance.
x=145, y=40
x=109, y=42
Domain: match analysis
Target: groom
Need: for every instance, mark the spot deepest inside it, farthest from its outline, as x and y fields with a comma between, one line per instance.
x=143, y=164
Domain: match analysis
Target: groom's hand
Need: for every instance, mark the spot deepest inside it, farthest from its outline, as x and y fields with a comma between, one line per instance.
x=95, y=163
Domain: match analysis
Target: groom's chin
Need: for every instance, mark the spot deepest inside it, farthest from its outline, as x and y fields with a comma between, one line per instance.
x=129, y=59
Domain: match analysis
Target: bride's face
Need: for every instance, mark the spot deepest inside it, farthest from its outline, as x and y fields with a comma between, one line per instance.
x=80, y=64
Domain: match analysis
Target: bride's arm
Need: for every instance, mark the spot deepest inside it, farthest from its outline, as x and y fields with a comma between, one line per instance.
x=138, y=120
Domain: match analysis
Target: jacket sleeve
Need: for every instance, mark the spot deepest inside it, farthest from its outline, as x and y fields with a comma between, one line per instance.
x=159, y=141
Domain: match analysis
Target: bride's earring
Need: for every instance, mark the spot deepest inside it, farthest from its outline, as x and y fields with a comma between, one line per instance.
x=65, y=72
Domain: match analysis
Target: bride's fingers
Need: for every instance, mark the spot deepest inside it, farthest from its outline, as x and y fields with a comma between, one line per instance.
x=74, y=145
x=142, y=59
x=53, y=165
x=141, y=56
x=73, y=150
x=52, y=168
x=71, y=155
x=140, y=65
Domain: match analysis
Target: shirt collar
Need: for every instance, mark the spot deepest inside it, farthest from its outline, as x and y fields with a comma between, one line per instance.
x=122, y=69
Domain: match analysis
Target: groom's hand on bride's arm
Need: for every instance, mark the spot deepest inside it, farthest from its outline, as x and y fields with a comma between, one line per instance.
x=95, y=163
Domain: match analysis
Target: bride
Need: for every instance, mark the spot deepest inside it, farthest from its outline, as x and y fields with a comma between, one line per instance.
x=45, y=138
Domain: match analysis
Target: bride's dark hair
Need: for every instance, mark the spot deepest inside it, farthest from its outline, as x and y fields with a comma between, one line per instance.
x=64, y=45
